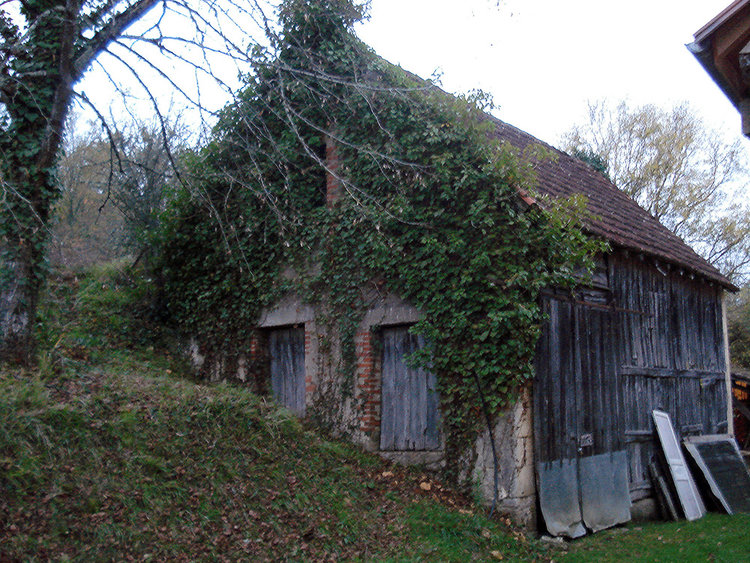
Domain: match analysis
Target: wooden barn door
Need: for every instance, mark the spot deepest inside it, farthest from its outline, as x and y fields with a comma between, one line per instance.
x=409, y=417
x=286, y=348
x=581, y=462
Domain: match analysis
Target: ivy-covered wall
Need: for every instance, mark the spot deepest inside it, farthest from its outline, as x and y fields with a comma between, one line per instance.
x=429, y=211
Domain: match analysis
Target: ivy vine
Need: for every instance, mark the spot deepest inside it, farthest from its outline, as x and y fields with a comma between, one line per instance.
x=430, y=208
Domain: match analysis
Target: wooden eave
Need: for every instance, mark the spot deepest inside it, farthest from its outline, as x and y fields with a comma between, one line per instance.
x=717, y=47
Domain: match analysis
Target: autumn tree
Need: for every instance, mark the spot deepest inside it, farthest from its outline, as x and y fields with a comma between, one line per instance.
x=46, y=47
x=679, y=170
x=739, y=329
x=83, y=229
x=142, y=177
x=109, y=204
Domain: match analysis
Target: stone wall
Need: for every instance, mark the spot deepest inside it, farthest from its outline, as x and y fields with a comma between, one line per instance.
x=514, y=445
x=350, y=406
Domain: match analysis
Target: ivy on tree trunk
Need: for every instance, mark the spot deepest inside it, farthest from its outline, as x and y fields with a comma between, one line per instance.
x=43, y=53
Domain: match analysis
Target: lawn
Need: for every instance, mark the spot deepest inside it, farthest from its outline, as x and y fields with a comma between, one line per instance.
x=716, y=537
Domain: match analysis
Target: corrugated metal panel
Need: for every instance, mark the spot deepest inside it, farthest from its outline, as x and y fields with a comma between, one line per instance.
x=559, y=497
x=605, y=497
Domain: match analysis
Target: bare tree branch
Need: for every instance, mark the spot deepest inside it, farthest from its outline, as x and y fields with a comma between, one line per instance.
x=119, y=23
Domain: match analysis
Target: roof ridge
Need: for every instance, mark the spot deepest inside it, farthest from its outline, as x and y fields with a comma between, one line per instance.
x=617, y=216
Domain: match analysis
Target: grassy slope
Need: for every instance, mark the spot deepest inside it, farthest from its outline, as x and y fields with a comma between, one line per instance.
x=124, y=459
x=107, y=453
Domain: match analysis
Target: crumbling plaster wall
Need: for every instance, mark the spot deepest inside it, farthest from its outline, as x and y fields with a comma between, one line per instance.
x=350, y=406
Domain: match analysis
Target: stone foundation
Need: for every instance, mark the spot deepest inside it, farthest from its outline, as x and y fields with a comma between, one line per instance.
x=514, y=446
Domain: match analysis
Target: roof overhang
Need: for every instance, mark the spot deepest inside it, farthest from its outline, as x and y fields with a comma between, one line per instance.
x=720, y=47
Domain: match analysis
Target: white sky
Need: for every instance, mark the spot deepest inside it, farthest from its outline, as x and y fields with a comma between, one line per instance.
x=543, y=59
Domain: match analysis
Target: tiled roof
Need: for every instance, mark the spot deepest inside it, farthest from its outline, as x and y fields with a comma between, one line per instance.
x=617, y=217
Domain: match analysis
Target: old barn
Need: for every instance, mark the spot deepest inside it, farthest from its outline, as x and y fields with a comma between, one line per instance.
x=648, y=332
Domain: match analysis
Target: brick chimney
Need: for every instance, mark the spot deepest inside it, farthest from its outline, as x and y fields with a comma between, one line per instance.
x=334, y=187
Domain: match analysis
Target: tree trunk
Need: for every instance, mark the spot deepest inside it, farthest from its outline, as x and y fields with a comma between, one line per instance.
x=38, y=68
x=19, y=295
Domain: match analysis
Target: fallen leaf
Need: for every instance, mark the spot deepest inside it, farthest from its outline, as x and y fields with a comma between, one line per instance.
x=496, y=554
x=425, y=486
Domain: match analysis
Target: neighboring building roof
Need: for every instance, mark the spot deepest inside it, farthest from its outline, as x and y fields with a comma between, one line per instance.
x=719, y=46
x=617, y=217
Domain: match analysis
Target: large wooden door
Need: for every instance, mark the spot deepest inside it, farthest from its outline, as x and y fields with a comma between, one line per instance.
x=410, y=418
x=286, y=348
x=580, y=457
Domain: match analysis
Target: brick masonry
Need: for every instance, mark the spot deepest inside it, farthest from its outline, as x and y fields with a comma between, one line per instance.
x=368, y=382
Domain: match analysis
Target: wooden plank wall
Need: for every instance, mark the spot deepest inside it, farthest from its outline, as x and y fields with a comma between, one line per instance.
x=410, y=418
x=555, y=385
x=576, y=375
x=286, y=348
x=645, y=337
x=672, y=356
x=596, y=332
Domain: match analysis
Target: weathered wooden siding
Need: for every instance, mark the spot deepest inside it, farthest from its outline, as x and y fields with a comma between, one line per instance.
x=663, y=352
x=673, y=357
x=286, y=348
x=410, y=417
x=580, y=461
x=577, y=372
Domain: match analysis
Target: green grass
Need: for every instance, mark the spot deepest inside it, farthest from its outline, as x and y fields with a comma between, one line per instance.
x=716, y=537
x=108, y=452
x=123, y=459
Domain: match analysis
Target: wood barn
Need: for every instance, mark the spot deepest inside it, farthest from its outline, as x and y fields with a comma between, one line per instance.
x=649, y=333
x=572, y=454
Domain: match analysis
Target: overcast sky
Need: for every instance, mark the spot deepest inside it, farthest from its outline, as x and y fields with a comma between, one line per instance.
x=542, y=59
